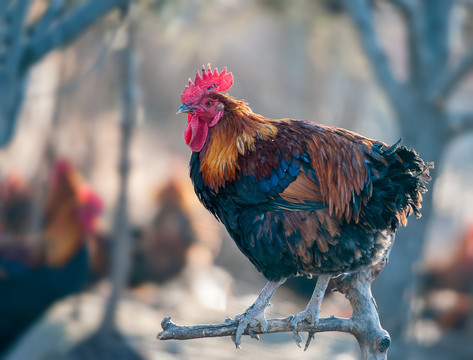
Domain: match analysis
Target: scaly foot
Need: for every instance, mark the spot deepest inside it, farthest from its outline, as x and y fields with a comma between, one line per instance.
x=311, y=313
x=254, y=315
x=252, y=318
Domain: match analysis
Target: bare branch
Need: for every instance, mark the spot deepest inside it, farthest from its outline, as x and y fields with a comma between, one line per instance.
x=177, y=332
x=419, y=56
x=12, y=82
x=436, y=15
x=50, y=14
x=363, y=324
x=427, y=34
x=361, y=13
x=450, y=79
x=67, y=29
x=23, y=45
x=460, y=123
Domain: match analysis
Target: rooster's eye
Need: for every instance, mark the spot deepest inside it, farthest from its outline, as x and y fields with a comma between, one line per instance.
x=208, y=103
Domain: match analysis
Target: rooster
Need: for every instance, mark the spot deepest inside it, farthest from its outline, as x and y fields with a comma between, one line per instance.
x=32, y=282
x=161, y=254
x=453, y=277
x=298, y=198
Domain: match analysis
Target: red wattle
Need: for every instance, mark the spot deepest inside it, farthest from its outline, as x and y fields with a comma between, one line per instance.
x=196, y=133
x=188, y=131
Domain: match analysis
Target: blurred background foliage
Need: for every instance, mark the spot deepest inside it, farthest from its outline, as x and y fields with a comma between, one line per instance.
x=301, y=59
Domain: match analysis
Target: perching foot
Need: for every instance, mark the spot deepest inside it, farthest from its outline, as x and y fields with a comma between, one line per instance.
x=312, y=311
x=310, y=314
x=254, y=317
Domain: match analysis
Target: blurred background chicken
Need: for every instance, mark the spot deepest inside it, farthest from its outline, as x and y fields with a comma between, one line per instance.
x=179, y=243
x=160, y=253
x=447, y=286
x=177, y=234
x=51, y=264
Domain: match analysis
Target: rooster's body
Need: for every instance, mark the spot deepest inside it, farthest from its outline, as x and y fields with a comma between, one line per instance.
x=297, y=197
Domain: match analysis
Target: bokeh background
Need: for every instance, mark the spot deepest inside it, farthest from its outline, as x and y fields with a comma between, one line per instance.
x=386, y=69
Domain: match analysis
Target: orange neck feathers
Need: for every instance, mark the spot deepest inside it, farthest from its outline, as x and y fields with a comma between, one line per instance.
x=234, y=135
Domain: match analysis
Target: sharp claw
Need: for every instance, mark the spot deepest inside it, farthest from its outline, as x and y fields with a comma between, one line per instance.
x=250, y=320
x=296, y=319
x=239, y=332
x=310, y=336
x=297, y=338
x=236, y=341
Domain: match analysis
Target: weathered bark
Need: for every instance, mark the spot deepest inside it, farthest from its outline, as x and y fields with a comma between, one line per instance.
x=364, y=323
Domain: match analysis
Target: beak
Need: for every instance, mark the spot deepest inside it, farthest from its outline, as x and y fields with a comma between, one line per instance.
x=185, y=109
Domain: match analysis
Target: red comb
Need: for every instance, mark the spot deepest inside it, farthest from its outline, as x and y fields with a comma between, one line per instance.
x=209, y=82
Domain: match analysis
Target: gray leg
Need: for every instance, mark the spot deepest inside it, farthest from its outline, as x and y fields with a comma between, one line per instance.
x=254, y=315
x=311, y=313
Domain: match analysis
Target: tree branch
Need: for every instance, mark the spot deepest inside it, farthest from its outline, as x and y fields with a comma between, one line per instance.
x=450, y=79
x=460, y=123
x=12, y=82
x=67, y=29
x=436, y=15
x=23, y=45
x=363, y=324
x=418, y=55
x=228, y=328
x=361, y=14
x=49, y=16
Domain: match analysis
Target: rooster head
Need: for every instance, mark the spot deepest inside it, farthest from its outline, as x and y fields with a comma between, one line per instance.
x=90, y=207
x=203, y=110
x=68, y=185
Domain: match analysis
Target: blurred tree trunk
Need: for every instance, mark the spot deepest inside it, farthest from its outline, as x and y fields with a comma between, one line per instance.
x=426, y=124
x=25, y=42
x=122, y=232
x=107, y=342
